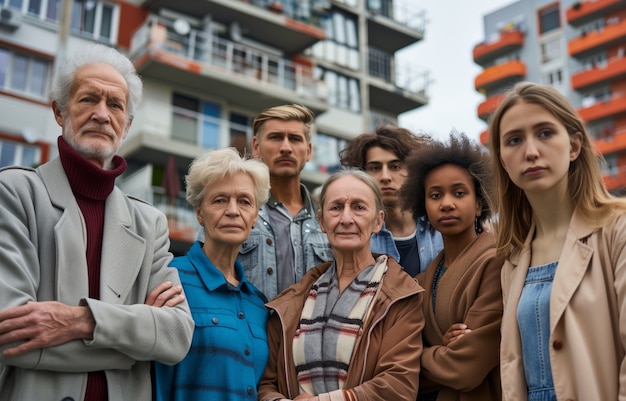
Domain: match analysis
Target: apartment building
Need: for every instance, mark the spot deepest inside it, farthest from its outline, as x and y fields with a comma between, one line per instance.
x=209, y=66
x=577, y=47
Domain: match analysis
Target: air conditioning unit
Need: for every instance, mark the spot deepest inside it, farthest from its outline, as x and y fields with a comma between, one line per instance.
x=10, y=19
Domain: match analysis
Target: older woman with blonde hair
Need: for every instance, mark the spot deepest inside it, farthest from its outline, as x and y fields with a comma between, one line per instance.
x=351, y=329
x=229, y=347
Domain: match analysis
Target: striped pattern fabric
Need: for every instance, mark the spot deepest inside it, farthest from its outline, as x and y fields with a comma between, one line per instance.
x=330, y=323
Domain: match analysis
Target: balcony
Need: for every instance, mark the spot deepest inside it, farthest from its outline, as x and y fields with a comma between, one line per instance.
x=614, y=68
x=506, y=42
x=616, y=104
x=484, y=137
x=616, y=184
x=499, y=75
x=161, y=129
x=394, y=26
x=236, y=73
x=489, y=106
x=291, y=29
x=616, y=143
x=395, y=86
x=181, y=218
x=582, y=12
x=595, y=40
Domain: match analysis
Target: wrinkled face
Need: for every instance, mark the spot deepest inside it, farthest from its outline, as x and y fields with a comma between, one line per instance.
x=389, y=172
x=228, y=210
x=283, y=146
x=536, y=149
x=451, y=203
x=96, y=119
x=349, y=215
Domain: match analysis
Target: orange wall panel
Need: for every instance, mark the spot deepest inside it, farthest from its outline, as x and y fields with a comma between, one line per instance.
x=131, y=17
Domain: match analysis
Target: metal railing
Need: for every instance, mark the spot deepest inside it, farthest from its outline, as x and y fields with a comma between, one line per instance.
x=403, y=13
x=232, y=57
x=401, y=74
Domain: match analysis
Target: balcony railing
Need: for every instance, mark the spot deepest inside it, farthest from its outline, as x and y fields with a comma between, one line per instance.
x=600, y=72
x=181, y=218
x=591, y=41
x=492, y=76
x=594, y=110
x=505, y=42
x=582, y=11
x=198, y=50
x=305, y=11
x=404, y=14
x=401, y=74
x=489, y=106
x=615, y=143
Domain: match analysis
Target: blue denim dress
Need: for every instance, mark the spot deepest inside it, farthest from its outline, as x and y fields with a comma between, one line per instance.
x=533, y=318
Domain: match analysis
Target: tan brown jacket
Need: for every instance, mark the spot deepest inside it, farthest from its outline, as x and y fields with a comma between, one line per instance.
x=385, y=362
x=469, y=292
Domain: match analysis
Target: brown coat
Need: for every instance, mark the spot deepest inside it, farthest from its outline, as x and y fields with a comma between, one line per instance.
x=587, y=315
x=385, y=362
x=469, y=292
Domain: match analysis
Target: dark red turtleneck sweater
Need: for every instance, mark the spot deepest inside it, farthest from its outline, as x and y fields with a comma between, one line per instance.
x=91, y=186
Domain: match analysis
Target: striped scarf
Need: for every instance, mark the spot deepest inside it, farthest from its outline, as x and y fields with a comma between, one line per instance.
x=329, y=326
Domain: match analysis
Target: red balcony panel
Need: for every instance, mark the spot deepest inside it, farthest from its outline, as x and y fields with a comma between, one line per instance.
x=484, y=137
x=496, y=74
x=181, y=232
x=615, y=183
x=589, y=9
x=604, y=109
x=489, y=106
x=614, y=69
x=615, y=144
x=597, y=39
x=507, y=41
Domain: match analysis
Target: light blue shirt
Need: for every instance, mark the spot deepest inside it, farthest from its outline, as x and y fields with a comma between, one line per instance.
x=258, y=254
x=429, y=243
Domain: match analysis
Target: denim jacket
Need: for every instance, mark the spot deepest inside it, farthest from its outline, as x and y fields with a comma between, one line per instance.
x=429, y=242
x=258, y=253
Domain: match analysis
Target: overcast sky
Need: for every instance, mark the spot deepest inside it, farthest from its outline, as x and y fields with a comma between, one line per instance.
x=454, y=27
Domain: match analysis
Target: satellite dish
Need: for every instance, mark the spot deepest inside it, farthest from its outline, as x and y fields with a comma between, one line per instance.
x=181, y=26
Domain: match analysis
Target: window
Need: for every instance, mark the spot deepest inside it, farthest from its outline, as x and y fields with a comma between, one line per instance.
x=553, y=78
x=380, y=64
x=343, y=91
x=382, y=7
x=95, y=20
x=601, y=129
x=342, y=44
x=195, y=127
x=326, y=152
x=43, y=9
x=551, y=49
x=549, y=19
x=19, y=154
x=24, y=73
x=241, y=133
x=609, y=166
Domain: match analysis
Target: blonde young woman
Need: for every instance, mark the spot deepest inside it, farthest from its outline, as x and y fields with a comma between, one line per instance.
x=564, y=237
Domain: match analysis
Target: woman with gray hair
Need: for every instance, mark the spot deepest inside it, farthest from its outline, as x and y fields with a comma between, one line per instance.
x=351, y=329
x=226, y=192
